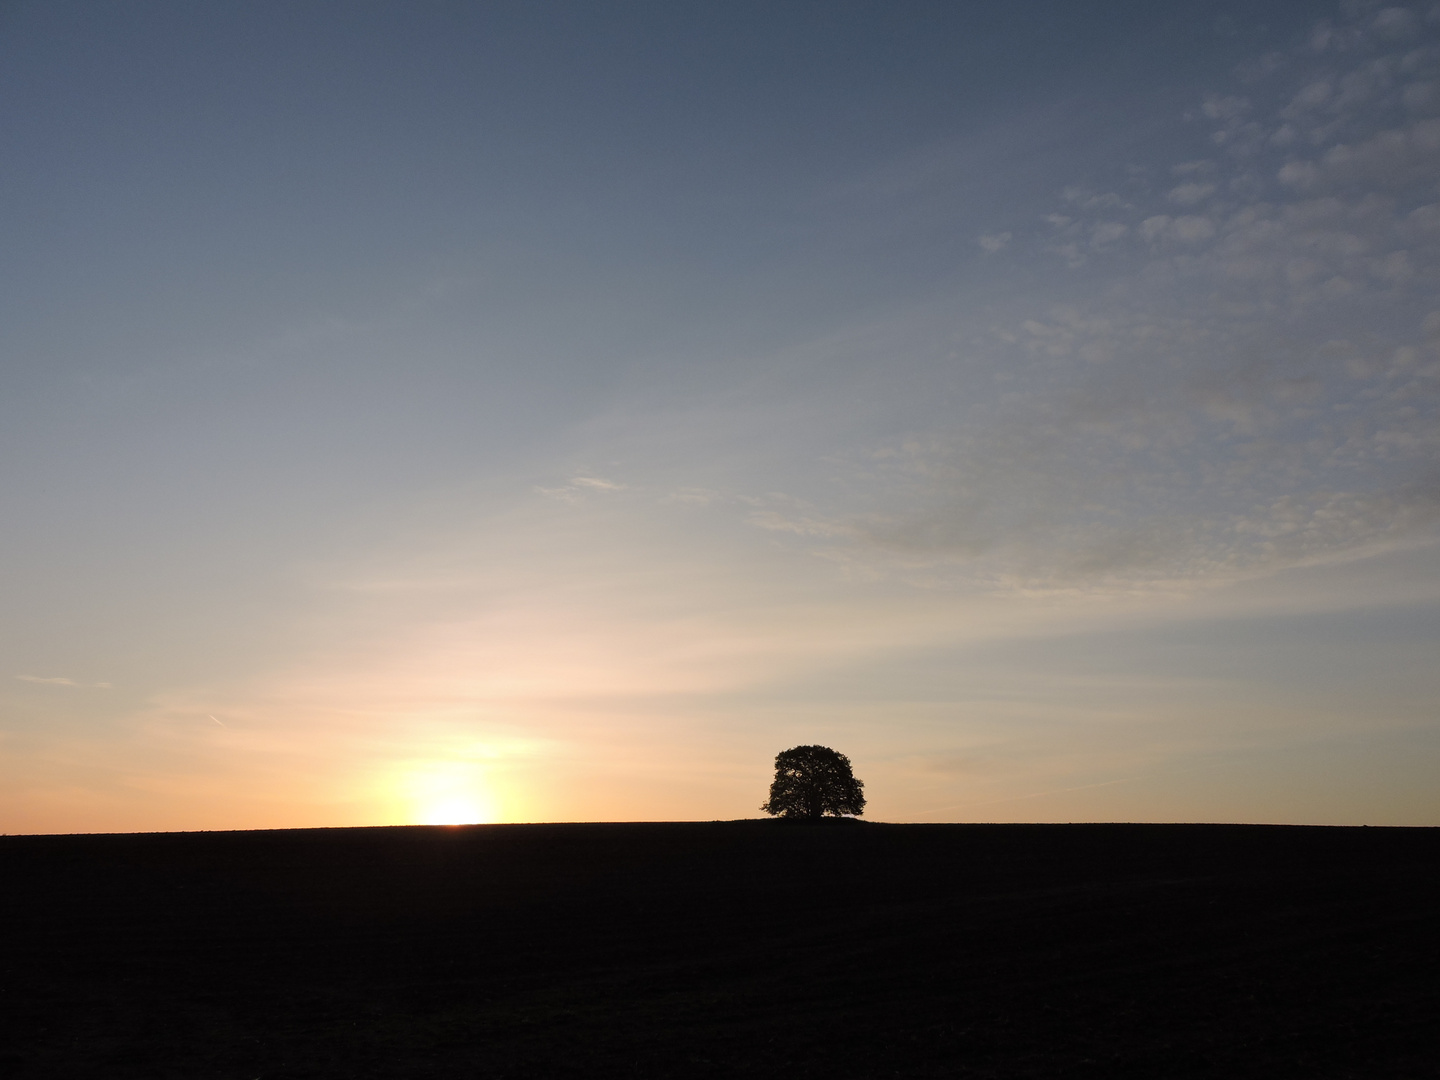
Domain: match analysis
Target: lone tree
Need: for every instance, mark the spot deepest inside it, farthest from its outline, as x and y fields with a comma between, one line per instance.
x=812, y=781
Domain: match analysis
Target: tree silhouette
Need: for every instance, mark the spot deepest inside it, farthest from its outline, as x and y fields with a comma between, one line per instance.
x=812, y=781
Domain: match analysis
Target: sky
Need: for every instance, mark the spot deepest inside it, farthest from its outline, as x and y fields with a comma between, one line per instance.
x=446, y=412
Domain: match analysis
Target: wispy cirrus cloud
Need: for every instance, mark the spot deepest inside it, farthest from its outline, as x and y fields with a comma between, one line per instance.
x=580, y=486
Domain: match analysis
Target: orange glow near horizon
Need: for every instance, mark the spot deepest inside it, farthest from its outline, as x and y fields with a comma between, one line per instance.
x=446, y=793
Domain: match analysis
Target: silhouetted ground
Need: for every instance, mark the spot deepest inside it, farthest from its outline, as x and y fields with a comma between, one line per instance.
x=726, y=949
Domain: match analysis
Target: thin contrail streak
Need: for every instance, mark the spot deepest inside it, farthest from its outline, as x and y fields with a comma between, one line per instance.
x=217, y=721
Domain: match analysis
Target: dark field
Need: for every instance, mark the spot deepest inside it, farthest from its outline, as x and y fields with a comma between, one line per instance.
x=724, y=949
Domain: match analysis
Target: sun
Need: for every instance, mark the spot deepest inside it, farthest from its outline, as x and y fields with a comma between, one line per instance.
x=455, y=810
x=447, y=793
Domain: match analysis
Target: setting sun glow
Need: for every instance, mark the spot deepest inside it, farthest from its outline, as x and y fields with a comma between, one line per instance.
x=447, y=793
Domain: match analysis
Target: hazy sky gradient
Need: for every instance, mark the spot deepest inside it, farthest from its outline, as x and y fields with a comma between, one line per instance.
x=534, y=411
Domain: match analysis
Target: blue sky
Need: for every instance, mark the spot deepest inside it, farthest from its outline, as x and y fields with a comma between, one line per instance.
x=551, y=411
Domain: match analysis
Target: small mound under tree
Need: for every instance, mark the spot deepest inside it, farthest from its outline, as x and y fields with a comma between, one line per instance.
x=813, y=781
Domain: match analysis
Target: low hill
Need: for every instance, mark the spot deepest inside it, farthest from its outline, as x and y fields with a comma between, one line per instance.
x=752, y=948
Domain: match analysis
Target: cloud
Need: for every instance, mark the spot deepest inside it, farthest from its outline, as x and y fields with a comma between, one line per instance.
x=695, y=496
x=1396, y=22
x=578, y=487
x=994, y=243
x=1217, y=107
x=1107, y=232
x=1187, y=228
x=1190, y=194
x=1246, y=389
x=56, y=680
x=775, y=521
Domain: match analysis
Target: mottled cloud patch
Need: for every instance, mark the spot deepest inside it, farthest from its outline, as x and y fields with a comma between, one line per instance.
x=1255, y=387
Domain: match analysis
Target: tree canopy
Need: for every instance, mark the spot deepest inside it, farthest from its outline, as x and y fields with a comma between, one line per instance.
x=813, y=781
